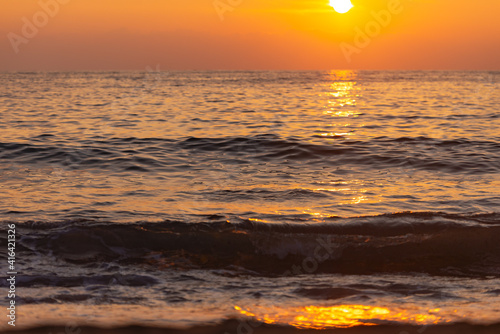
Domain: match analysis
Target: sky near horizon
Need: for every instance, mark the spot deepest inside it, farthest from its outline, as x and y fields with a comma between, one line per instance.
x=56, y=35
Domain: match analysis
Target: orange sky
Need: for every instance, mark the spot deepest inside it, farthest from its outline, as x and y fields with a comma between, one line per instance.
x=254, y=34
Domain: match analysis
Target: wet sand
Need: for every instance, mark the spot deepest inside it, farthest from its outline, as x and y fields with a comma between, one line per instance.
x=236, y=327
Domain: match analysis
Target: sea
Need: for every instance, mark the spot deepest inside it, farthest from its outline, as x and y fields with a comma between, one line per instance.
x=303, y=199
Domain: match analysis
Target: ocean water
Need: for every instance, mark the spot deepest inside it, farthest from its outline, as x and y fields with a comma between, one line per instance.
x=311, y=199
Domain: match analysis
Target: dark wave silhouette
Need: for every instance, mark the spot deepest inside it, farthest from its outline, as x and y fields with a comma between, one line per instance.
x=154, y=154
x=434, y=243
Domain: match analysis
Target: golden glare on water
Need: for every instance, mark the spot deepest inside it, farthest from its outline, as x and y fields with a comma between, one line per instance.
x=340, y=316
x=342, y=94
x=341, y=6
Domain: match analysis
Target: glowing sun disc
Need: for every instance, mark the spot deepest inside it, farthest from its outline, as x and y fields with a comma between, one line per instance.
x=341, y=6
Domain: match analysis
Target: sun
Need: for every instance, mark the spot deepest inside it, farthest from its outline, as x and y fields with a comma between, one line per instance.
x=341, y=6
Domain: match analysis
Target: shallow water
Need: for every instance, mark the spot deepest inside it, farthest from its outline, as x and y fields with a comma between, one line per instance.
x=284, y=196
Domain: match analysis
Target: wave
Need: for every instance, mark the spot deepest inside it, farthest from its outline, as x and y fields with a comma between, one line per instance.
x=154, y=154
x=77, y=281
x=433, y=243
